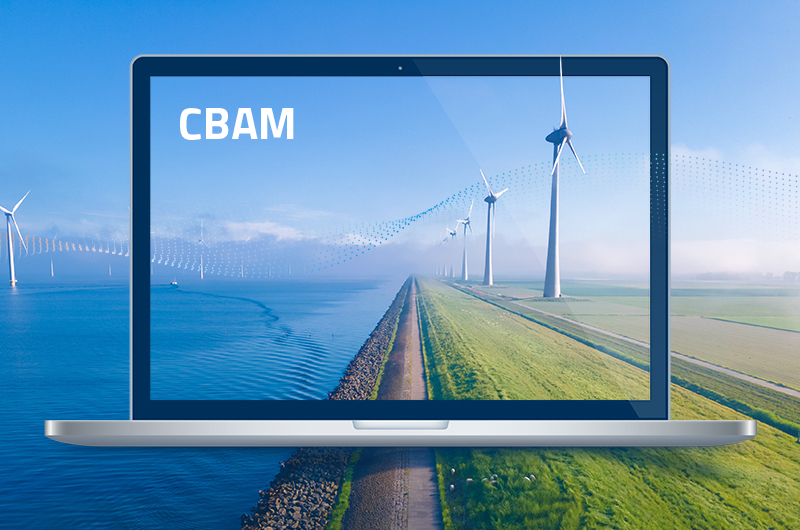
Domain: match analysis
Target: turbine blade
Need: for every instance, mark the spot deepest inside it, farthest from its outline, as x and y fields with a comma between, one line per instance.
x=21, y=239
x=470, y=209
x=20, y=202
x=4, y=210
x=499, y=194
x=486, y=182
x=558, y=155
x=206, y=244
x=563, y=105
x=576, y=156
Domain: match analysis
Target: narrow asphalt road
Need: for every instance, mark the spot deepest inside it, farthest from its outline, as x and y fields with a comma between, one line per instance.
x=397, y=489
x=424, y=509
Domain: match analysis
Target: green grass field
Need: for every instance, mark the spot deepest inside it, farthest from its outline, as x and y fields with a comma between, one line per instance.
x=749, y=485
x=778, y=409
x=479, y=351
x=747, y=328
x=755, y=484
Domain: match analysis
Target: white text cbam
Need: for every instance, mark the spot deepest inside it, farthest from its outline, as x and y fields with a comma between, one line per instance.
x=245, y=125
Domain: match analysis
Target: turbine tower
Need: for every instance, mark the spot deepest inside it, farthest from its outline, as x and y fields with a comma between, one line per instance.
x=491, y=199
x=465, y=222
x=559, y=137
x=9, y=218
x=452, y=234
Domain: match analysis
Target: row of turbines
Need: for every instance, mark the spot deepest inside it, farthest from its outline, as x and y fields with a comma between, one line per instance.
x=560, y=137
x=49, y=244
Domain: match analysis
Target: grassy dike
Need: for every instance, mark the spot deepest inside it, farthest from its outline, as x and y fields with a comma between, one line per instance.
x=749, y=485
x=342, y=500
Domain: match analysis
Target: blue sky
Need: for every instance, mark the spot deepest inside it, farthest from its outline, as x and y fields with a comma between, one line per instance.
x=64, y=71
x=381, y=149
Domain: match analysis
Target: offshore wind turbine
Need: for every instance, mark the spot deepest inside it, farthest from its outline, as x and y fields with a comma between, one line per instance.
x=559, y=137
x=9, y=218
x=201, y=242
x=488, y=279
x=466, y=223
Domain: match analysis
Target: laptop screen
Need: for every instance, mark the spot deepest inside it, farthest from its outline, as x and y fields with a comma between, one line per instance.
x=399, y=238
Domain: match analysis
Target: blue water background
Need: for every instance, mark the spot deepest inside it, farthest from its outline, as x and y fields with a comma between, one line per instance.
x=65, y=356
x=259, y=340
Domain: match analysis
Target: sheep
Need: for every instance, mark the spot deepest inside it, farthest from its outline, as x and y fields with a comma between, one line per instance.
x=452, y=487
x=484, y=480
x=494, y=476
x=452, y=471
x=533, y=477
x=526, y=478
x=469, y=481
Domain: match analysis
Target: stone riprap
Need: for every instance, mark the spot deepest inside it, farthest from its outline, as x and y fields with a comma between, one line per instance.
x=304, y=492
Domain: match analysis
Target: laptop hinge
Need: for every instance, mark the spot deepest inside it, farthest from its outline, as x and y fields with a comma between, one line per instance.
x=439, y=425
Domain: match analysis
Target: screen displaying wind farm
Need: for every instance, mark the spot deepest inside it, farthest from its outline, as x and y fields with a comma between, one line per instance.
x=447, y=238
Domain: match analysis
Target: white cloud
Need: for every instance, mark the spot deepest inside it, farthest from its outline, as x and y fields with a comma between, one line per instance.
x=707, y=153
x=734, y=255
x=759, y=156
x=242, y=231
x=754, y=154
x=76, y=228
x=350, y=239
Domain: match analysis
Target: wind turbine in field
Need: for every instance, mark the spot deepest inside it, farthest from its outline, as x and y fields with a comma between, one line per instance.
x=490, y=228
x=201, y=242
x=559, y=137
x=9, y=218
x=452, y=234
x=465, y=222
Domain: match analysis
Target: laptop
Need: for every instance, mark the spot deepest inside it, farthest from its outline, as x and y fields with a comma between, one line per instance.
x=399, y=251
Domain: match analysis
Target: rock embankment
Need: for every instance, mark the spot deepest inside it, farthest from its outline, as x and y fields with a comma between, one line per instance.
x=303, y=493
x=361, y=374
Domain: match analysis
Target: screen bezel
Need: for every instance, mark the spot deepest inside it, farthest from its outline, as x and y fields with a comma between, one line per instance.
x=143, y=68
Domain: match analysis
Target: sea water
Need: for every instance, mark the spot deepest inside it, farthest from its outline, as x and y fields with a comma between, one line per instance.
x=65, y=356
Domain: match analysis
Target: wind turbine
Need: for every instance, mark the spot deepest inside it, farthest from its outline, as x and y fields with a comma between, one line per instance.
x=9, y=218
x=491, y=199
x=465, y=222
x=452, y=234
x=202, y=241
x=559, y=137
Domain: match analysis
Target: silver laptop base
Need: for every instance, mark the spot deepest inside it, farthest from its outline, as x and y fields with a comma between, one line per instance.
x=461, y=433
